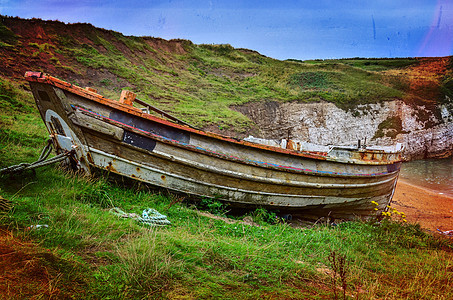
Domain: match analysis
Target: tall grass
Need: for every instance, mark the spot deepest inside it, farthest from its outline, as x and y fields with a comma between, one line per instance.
x=200, y=257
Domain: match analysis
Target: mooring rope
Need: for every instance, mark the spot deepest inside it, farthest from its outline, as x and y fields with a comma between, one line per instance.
x=42, y=161
x=5, y=205
x=150, y=217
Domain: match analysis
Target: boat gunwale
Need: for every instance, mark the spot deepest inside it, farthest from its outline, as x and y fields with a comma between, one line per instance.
x=41, y=77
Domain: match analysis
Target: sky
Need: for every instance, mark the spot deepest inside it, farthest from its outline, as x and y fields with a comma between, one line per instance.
x=304, y=29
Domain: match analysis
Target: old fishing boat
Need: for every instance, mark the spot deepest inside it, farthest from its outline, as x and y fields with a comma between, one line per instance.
x=114, y=135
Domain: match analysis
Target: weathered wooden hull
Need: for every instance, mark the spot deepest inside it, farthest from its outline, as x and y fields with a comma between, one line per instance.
x=122, y=139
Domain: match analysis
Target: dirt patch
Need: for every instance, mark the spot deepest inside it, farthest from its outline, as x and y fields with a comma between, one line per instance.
x=270, y=116
x=171, y=46
x=430, y=209
x=28, y=271
x=231, y=132
x=424, y=79
x=96, y=256
x=246, y=221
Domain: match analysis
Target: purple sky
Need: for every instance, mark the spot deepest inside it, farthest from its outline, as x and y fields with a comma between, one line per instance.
x=279, y=29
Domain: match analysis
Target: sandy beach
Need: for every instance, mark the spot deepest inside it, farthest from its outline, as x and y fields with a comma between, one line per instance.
x=429, y=208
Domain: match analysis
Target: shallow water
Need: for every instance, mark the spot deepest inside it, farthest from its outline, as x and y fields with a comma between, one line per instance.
x=434, y=174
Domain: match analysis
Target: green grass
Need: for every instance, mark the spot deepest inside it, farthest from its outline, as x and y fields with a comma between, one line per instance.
x=390, y=127
x=12, y=97
x=380, y=64
x=201, y=257
x=6, y=35
x=370, y=64
x=198, y=257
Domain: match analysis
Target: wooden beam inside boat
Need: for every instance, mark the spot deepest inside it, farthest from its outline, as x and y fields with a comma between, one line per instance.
x=163, y=113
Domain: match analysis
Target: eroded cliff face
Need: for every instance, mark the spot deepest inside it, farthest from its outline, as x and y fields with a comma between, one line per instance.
x=424, y=132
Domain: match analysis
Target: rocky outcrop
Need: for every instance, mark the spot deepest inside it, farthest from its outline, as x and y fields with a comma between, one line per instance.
x=432, y=137
x=431, y=142
x=424, y=132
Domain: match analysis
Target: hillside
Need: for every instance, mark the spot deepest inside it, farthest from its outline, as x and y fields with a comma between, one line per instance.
x=202, y=83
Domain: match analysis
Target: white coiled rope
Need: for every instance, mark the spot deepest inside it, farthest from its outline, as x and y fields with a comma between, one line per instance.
x=150, y=217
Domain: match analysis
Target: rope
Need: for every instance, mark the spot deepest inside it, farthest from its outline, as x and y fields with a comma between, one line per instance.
x=150, y=217
x=5, y=205
x=39, y=163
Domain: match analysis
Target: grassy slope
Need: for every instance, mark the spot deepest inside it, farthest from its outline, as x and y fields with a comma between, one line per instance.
x=93, y=253
x=200, y=83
